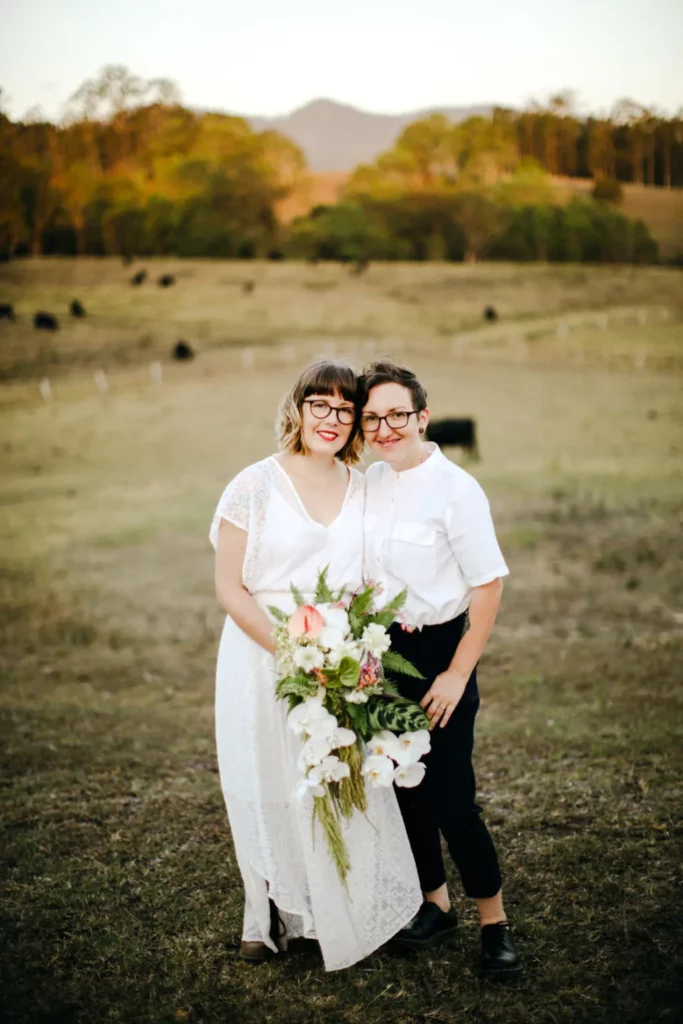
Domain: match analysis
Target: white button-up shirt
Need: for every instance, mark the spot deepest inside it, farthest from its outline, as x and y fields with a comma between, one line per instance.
x=429, y=529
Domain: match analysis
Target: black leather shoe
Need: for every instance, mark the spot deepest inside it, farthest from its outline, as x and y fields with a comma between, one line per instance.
x=499, y=957
x=430, y=925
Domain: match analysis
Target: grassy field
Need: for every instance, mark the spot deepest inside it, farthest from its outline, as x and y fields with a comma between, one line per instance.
x=121, y=897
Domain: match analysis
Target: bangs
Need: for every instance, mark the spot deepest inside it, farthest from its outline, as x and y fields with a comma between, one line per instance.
x=328, y=377
x=324, y=377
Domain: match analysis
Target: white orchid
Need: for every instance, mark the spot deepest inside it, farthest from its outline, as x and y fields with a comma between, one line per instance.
x=409, y=775
x=411, y=746
x=307, y=786
x=379, y=770
x=314, y=750
x=308, y=658
x=384, y=744
x=342, y=738
x=311, y=718
x=345, y=649
x=331, y=769
x=336, y=627
x=375, y=640
x=356, y=697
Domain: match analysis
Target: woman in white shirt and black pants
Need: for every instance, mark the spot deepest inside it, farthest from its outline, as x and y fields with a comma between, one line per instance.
x=428, y=527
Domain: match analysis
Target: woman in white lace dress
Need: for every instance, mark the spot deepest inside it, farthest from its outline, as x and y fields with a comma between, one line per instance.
x=281, y=521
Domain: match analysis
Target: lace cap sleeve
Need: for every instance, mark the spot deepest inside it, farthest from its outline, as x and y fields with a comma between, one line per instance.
x=238, y=501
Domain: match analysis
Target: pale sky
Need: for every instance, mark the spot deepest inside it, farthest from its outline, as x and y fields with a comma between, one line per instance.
x=271, y=56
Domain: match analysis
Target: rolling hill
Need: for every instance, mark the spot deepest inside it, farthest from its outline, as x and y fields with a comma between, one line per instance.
x=338, y=137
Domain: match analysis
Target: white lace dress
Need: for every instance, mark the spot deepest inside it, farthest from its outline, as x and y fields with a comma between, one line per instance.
x=277, y=852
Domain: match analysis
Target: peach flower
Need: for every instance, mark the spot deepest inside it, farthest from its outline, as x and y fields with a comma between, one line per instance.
x=305, y=621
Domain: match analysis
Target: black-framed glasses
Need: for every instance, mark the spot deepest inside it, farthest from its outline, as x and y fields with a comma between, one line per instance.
x=321, y=409
x=371, y=422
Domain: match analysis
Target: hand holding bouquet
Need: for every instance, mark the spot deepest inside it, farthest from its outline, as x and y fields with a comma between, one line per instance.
x=333, y=657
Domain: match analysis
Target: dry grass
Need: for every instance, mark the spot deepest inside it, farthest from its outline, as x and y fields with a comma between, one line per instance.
x=421, y=307
x=122, y=899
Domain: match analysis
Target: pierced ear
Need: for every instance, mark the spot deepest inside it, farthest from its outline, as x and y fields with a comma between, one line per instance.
x=421, y=430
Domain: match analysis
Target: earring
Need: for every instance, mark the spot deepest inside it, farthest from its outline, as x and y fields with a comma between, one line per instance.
x=421, y=430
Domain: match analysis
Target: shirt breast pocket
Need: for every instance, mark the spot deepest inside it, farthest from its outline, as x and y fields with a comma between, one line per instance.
x=413, y=552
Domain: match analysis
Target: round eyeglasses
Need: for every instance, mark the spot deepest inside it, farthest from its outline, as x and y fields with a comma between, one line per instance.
x=370, y=421
x=346, y=414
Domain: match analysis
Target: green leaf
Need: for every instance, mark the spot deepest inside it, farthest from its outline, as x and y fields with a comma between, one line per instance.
x=392, y=661
x=389, y=686
x=362, y=601
x=278, y=613
x=298, y=596
x=396, y=714
x=323, y=594
x=357, y=715
x=382, y=618
x=296, y=686
x=397, y=602
x=349, y=671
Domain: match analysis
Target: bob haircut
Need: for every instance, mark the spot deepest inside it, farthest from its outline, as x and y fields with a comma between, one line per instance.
x=324, y=377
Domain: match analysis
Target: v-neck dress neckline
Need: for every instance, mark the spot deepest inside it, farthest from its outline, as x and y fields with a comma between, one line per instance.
x=299, y=499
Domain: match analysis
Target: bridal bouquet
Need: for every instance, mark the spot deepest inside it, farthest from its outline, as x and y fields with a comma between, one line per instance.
x=333, y=657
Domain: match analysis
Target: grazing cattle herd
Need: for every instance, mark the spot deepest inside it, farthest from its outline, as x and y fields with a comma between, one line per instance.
x=461, y=433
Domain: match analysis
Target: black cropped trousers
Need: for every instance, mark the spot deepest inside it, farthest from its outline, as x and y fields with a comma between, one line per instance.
x=444, y=804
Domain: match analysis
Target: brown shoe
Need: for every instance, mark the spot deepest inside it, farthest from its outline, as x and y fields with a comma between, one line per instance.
x=256, y=952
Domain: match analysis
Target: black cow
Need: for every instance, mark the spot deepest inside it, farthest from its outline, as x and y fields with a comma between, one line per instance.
x=77, y=309
x=45, y=321
x=139, y=278
x=7, y=311
x=166, y=280
x=182, y=350
x=460, y=433
x=490, y=314
x=275, y=255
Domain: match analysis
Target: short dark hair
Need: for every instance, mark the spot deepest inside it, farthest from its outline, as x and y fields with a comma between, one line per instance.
x=385, y=371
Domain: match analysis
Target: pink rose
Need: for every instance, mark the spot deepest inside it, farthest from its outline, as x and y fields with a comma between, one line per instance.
x=306, y=621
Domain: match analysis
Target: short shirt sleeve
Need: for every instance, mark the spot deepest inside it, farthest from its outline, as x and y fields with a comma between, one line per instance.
x=237, y=502
x=472, y=535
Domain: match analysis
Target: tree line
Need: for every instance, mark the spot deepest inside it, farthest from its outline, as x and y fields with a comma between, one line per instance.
x=131, y=171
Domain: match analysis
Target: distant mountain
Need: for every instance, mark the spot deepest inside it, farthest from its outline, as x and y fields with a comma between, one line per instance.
x=337, y=137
